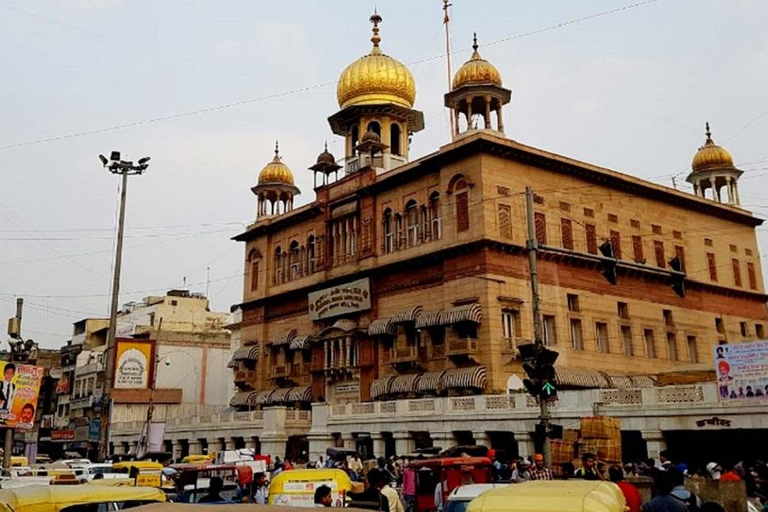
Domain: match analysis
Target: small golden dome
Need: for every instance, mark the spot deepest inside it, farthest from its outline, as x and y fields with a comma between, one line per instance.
x=711, y=156
x=276, y=171
x=376, y=78
x=476, y=71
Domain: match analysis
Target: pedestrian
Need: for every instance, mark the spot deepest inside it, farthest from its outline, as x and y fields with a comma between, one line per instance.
x=663, y=502
x=714, y=470
x=439, y=496
x=587, y=470
x=382, y=483
x=666, y=462
x=732, y=474
x=323, y=496
x=680, y=493
x=215, y=486
x=520, y=474
x=630, y=492
x=568, y=470
x=260, y=491
x=355, y=464
x=409, y=487
x=539, y=471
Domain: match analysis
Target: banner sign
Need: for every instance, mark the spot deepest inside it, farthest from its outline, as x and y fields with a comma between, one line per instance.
x=62, y=436
x=19, y=389
x=133, y=361
x=93, y=430
x=742, y=371
x=340, y=300
x=155, y=437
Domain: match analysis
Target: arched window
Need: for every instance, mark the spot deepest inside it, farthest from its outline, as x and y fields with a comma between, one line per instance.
x=388, y=237
x=295, y=261
x=311, y=254
x=412, y=220
x=254, y=257
x=278, y=263
x=374, y=127
x=398, y=231
x=434, y=216
x=395, y=136
x=461, y=190
x=355, y=136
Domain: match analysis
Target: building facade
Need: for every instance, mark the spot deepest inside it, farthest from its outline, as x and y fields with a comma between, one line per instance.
x=410, y=279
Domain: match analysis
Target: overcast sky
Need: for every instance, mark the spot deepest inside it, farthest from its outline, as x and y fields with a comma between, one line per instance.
x=629, y=90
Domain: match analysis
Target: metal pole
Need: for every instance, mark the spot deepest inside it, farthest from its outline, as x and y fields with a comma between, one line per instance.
x=533, y=246
x=8, y=442
x=447, y=22
x=106, y=403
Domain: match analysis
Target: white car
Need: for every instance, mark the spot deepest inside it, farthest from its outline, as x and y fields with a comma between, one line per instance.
x=460, y=497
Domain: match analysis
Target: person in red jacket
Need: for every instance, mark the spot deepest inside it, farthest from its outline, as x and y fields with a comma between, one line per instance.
x=631, y=494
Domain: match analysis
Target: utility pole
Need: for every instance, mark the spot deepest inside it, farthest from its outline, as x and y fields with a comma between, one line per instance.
x=14, y=329
x=532, y=246
x=124, y=168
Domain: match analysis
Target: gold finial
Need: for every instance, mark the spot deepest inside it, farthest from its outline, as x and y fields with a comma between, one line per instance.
x=475, y=53
x=474, y=46
x=375, y=19
x=277, y=149
x=709, y=133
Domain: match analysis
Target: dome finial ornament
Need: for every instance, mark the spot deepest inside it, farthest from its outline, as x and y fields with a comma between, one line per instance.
x=474, y=45
x=375, y=19
x=709, y=133
x=277, y=149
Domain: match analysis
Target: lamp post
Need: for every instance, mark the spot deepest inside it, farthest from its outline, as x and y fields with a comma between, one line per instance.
x=124, y=168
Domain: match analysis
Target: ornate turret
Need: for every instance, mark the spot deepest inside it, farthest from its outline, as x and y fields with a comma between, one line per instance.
x=477, y=92
x=376, y=93
x=275, y=188
x=326, y=164
x=712, y=169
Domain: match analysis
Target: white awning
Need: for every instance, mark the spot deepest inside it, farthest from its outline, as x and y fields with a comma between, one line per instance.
x=300, y=342
x=467, y=313
x=430, y=319
x=403, y=384
x=380, y=387
x=409, y=315
x=241, y=398
x=299, y=394
x=247, y=353
x=430, y=382
x=382, y=326
x=285, y=339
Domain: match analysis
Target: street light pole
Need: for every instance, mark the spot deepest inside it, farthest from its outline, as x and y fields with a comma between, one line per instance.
x=124, y=168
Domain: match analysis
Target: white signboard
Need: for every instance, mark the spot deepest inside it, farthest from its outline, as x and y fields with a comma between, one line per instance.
x=742, y=371
x=340, y=300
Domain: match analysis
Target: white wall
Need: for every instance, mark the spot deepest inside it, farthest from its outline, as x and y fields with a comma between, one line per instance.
x=181, y=368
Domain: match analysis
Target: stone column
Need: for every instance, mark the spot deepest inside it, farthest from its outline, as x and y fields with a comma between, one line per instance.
x=379, y=445
x=469, y=114
x=349, y=441
x=176, y=449
x=499, y=120
x=444, y=440
x=134, y=447
x=229, y=444
x=457, y=118
x=655, y=442
x=403, y=442
x=274, y=444
x=525, y=446
x=481, y=438
x=487, y=114
x=251, y=443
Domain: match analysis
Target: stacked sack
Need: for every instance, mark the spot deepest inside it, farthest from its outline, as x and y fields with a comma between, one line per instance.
x=564, y=450
x=601, y=435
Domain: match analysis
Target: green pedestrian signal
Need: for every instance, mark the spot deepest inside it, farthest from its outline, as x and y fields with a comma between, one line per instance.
x=548, y=390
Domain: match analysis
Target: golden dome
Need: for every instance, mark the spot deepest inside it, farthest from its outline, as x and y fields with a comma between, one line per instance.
x=276, y=171
x=376, y=78
x=476, y=71
x=711, y=156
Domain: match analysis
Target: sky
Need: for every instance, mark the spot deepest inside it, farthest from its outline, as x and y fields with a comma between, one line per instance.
x=205, y=88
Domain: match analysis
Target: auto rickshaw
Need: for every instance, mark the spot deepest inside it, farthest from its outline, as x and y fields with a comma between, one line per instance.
x=49, y=498
x=452, y=472
x=18, y=461
x=197, y=459
x=296, y=488
x=560, y=495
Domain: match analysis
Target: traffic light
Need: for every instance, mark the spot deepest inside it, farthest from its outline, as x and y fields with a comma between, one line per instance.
x=677, y=281
x=540, y=369
x=609, y=265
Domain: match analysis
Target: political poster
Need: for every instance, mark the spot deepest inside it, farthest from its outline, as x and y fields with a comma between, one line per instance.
x=19, y=389
x=133, y=363
x=742, y=371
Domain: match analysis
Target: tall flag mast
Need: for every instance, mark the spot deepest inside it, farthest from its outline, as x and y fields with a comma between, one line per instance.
x=447, y=23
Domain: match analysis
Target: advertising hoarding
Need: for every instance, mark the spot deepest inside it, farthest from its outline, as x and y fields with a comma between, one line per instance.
x=742, y=371
x=19, y=389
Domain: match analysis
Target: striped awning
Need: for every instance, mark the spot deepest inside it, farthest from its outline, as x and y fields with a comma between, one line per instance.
x=261, y=397
x=409, y=315
x=247, y=353
x=382, y=326
x=278, y=396
x=578, y=378
x=472, y=377
x=285, y=339
x=642, y=381
x=430, y=382
x=467, y=313
x=301, y=342
x=380, y=387
x=241, y=398
x=299, y=394
x=430, y=319
x=619, y=381
x=403, y=384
